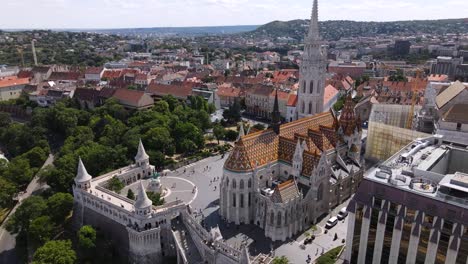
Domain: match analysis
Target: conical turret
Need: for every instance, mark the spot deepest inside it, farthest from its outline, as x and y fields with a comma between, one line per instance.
x=82, y=174
x=142, y=202
x=141, y=155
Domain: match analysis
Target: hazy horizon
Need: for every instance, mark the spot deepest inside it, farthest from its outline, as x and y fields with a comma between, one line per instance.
x=122, y=14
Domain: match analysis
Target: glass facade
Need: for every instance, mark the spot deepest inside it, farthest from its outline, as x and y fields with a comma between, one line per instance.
x=422, y=246
x=387, y=243
x=462, y=256
x=357, y=234
x=372, y=234
x=406, y=235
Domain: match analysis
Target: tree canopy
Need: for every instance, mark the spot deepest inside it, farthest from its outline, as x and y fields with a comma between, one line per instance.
x=55, y=252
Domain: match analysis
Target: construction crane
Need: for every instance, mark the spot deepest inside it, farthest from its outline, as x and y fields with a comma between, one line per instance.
x=20, y=52
x=414, y=88
x=34, y=51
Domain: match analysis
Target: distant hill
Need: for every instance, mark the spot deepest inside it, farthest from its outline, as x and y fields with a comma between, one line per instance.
x=334, y=30
x=178, y=31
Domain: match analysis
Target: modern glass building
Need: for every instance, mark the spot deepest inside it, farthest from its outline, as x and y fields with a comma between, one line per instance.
x=413, y=208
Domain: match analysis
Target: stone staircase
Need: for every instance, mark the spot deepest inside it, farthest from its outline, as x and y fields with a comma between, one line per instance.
x=184, y=239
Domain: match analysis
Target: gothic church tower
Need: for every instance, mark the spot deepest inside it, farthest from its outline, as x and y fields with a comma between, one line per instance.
x=312, y=72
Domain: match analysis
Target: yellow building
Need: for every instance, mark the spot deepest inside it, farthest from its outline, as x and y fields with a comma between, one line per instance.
x=11, y=87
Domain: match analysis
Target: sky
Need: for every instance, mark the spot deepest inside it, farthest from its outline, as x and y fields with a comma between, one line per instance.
x=55, y=14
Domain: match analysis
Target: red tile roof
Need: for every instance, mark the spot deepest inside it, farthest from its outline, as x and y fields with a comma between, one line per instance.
x=13, y=81
x=178, y=91
x=292, y=101
x=330, y=92
x=94, y=70
x=110, y=74
x=127, y=95
x=228, y=91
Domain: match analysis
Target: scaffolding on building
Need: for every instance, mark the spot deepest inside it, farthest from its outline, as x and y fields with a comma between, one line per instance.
x=387, y=132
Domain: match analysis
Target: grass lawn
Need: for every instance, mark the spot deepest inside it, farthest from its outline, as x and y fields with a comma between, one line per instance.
x=329, y=257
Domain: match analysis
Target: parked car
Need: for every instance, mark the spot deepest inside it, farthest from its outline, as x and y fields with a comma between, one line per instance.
x=342, y=214
x=331, y=222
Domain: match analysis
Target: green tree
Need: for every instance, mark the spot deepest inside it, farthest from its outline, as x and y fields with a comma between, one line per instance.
x=59, y=206
x=41, y=229
x=156, y=198
x=55, y=252
x=31, y=208
x=5, y=119
x=19, y=171
x=280, y=260
x=7, y=191
x=171, y=101
x=219, y=132
x=159, y=138
x=231, y=135
x=130, y=194
x=87, y=238
x=115, y=185
x=259, y=126
x=36, y=157
x=161, y=107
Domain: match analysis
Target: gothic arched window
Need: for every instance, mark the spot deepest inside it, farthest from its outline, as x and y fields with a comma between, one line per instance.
x=311, y=87
x=278, y=221
x=242, y=200
x=310, y=108
x=241, y=184
x=249, y=183
x=303, y=107
x=286, y=217
x=233, y=200
x=227, y=182
x=272, y=218
x=320, y=192
x=234, y=185
x=304, y=86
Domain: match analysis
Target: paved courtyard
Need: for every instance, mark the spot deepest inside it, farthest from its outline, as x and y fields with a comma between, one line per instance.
x=206, y=176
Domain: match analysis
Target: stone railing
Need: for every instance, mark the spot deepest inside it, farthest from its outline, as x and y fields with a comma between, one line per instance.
x=204, y=236
x=114, y=195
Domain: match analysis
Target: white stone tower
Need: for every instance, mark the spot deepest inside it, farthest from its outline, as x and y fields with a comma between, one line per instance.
x=312, y=72
x=141, y=158
x=82, y=179
x=143, y=204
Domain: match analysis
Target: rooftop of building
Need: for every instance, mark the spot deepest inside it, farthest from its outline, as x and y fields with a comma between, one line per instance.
x=429, y=167
x=457, y=114
x=12, y=81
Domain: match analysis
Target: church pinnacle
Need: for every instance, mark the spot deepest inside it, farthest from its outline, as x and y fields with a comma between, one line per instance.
x=314, y=25
x=276, y=115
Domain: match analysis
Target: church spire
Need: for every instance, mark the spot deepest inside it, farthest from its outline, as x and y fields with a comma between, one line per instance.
x=276, y=116
x=314, y=25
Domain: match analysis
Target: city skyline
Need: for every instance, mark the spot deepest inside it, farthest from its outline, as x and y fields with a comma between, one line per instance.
x=87, y=14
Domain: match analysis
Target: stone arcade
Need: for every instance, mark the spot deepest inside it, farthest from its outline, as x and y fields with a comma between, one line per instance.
x=142, y=232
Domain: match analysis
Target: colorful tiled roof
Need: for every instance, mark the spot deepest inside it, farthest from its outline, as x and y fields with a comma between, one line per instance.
x=264, y=147
x=284, y=192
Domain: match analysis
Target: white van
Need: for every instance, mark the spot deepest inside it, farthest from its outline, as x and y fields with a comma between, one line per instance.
x=331, y=222
x=342, y=214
